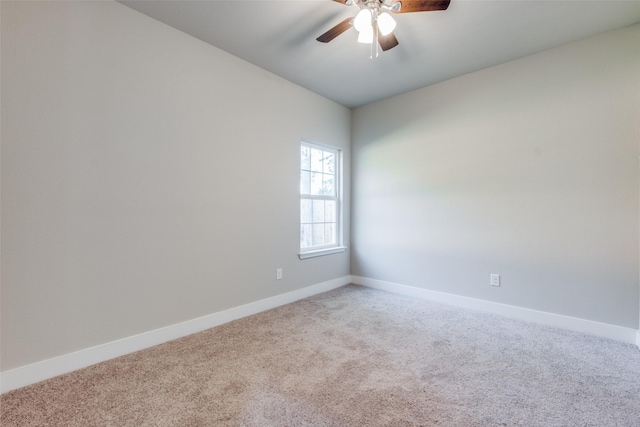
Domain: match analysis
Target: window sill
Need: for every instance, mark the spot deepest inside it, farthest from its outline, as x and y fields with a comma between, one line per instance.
x=322, y=252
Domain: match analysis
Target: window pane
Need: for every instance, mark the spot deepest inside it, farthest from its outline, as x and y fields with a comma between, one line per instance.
x=318, y=211
x=305, y=158
x=305, y=211
x=305, y=182
x=318, y=235
x=329, y=234
x=329, y=163
x=305, y=235
x=328, y=185
x=319, y=204
x=330, y=211
x=316, y=183
x=316, y=160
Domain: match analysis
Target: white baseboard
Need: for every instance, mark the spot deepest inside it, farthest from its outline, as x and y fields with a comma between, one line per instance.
x=39, y=371
x=614, y=332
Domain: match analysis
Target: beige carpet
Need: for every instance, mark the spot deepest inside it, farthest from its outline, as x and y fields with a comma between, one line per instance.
x=351, y=357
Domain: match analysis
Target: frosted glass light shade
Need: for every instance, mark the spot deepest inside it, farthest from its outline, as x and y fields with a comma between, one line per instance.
x=386, y=23
x=363, y=20
x=366, y=35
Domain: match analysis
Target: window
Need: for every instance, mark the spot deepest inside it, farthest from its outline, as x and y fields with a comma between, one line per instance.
x=320, y=231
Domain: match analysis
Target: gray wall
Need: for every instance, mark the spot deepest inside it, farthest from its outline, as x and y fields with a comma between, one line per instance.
x=528, y=169
x=147, y=178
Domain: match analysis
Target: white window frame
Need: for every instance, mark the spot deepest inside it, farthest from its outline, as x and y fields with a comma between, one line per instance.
x=337, y=247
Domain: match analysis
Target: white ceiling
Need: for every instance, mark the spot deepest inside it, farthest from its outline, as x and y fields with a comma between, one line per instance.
x=279, y=36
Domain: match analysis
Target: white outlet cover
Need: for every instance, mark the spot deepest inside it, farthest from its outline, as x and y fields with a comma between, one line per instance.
x=494, y=279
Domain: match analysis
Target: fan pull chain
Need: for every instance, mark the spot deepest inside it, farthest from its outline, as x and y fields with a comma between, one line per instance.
x=374, y=42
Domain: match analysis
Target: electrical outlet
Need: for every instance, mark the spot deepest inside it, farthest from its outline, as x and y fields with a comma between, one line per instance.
x=279, y=274
x=494, y=279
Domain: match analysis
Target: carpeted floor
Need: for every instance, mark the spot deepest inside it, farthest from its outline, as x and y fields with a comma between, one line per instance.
x=351, y=357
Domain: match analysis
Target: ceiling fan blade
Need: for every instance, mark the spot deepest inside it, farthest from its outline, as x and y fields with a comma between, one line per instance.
x=336, y=31
x=388, y=41
x=408, y=6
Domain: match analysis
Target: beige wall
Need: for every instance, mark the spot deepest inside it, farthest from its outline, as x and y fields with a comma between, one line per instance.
x=147, y=178
x=528, y=169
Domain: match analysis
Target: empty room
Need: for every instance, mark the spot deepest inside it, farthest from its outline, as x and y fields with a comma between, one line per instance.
x=320, y=213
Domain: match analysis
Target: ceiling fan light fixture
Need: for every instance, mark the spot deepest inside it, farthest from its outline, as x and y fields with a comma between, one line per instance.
x=366, y=35
x=363, y=20
x=386, y=23
x=374, y=20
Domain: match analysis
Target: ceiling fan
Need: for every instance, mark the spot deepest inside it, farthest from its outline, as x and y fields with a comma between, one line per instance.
x=374, y=19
